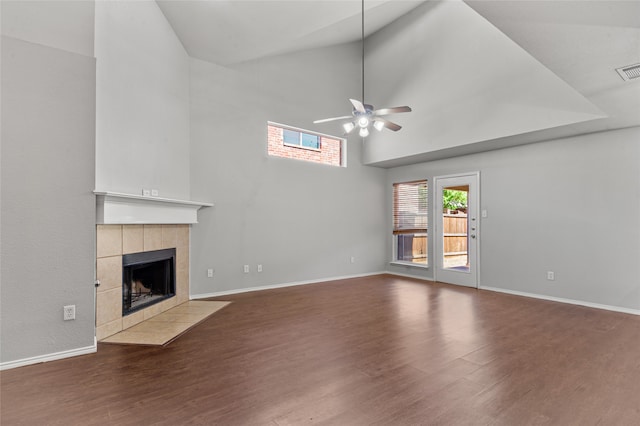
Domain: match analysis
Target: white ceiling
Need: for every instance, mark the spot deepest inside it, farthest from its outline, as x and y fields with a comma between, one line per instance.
x=582, y=42
x=227, y=32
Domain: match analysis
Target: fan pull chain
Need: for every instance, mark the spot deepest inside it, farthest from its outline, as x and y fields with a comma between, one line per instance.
x=362, y=39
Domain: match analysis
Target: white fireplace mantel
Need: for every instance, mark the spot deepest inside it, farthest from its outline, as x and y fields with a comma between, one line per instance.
x=118, y=208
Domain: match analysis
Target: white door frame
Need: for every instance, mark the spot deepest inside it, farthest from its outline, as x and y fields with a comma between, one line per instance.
x=472, y=277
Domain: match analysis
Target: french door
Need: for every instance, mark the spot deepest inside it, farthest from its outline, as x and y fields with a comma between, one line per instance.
x=457, y=229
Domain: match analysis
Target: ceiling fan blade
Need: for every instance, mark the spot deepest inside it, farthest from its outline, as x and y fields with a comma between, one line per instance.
x=358, y=106
x=394, y=110
x=325, y=120
x=389, y=125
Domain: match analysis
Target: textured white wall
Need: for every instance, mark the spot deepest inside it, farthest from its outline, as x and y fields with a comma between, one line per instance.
x=301, y=221
x=142, y=101
x=570, y=206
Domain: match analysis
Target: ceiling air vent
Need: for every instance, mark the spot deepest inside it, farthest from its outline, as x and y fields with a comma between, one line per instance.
x=630, y=72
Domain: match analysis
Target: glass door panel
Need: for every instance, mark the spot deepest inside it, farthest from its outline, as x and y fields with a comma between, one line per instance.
x=457, y=229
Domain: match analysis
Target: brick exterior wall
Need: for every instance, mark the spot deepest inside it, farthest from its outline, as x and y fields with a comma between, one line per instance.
x=330, y=151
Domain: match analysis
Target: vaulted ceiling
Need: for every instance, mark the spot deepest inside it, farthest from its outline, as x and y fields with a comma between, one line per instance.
x=580, y=42
x=226, y=32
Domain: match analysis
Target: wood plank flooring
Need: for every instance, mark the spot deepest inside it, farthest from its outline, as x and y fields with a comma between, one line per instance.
x=380, y=350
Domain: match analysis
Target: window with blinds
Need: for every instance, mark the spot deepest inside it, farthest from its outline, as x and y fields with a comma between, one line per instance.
x=410, y=219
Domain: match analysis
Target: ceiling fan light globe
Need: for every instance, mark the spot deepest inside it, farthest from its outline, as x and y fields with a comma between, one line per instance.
x=364, y=132
x=379, y=125
x=348, y=127
x=363, y=122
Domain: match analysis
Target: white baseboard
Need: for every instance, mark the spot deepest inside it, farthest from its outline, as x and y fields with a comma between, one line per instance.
x=563, y=300
x=273, y=286
x=539, y=296
x=496, y=289
x=49, y=357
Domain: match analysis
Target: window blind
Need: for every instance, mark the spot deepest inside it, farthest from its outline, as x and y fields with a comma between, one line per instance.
x=410, y=207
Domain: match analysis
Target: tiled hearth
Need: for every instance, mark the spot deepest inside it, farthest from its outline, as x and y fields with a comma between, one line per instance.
x=115, y=240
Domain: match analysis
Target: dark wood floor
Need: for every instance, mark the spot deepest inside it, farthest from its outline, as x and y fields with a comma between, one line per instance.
x=379, y=350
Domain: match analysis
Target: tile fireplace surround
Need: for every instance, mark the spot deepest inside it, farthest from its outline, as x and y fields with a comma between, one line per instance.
x=115, y=240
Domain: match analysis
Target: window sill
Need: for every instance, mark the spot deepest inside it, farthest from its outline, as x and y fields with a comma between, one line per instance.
x=308, y=148
x=410, y=264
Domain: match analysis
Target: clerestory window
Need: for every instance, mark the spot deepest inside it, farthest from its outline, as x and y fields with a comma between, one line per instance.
x=301, y=139
x=290, y=142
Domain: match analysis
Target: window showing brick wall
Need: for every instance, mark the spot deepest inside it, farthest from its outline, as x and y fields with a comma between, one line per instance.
x=329, y=152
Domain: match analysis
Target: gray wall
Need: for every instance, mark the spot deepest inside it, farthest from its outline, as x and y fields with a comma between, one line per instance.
x=142, y=101
x=301, y=221
x=571, y=206
x=66, y=25
x=48, y=209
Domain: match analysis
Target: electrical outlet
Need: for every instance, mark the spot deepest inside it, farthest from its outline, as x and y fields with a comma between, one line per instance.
x=246, y=269
x=210, y=273
x=259, y=268
x=146, y=193
x=551, y=276
x=69, y=312
x=353, y=259
x=155, y=192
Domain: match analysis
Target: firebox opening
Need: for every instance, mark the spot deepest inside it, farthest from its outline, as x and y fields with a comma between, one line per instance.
x=147, y=278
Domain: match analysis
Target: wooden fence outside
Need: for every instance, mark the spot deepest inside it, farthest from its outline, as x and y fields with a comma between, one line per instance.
x=455, y=233
x=455, y=242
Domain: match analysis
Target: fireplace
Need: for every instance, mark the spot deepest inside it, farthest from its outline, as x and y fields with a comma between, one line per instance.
x=147, y=278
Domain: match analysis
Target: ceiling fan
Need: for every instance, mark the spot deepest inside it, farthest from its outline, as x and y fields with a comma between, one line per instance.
x=365, y=115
